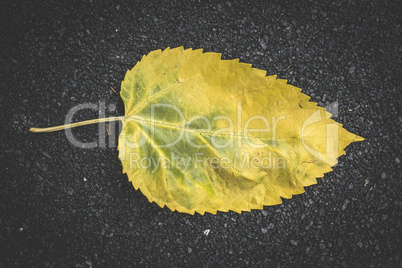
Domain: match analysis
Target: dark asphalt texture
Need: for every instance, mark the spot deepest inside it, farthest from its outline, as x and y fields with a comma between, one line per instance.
x=63, y=206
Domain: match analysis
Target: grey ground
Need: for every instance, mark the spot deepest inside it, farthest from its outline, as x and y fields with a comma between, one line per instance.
x=65, y=206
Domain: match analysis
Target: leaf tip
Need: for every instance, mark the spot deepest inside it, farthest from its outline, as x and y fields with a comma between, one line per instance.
x=358, y=138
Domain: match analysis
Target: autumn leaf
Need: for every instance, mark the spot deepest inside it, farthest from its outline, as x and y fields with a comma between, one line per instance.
x=201, y=134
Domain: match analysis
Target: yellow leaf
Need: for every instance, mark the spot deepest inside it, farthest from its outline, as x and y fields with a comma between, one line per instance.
x=202, y=134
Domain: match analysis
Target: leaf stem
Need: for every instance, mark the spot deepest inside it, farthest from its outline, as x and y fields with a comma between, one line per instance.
x=77, y=124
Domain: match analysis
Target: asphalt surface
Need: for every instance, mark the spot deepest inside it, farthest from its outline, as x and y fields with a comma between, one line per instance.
x=63, y=206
